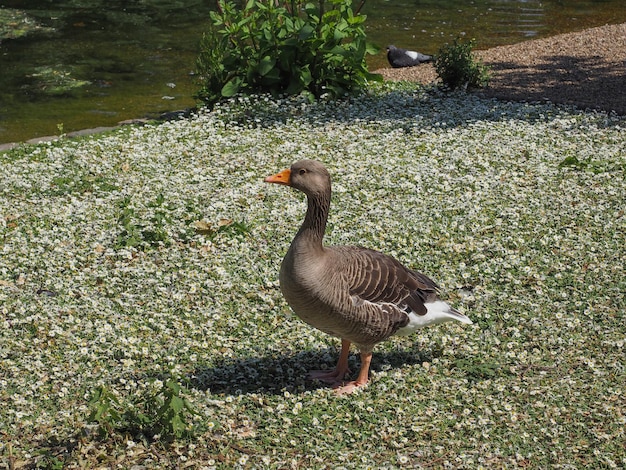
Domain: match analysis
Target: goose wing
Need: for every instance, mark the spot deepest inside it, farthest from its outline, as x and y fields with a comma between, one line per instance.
x=380, y=279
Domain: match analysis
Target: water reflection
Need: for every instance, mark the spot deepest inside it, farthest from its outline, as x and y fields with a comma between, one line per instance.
x=431, y=22
x=528, y=16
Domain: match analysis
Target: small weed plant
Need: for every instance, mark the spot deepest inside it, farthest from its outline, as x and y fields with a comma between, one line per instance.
x=457, y=68
x=104, y=409
x=284, y=47
x=142, y=234
x=163, y=413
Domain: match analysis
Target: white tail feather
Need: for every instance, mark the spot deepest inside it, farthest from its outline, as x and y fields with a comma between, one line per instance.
x=436, y=312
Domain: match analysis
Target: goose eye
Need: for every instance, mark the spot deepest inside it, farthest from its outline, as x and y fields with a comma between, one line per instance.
x=302, y=171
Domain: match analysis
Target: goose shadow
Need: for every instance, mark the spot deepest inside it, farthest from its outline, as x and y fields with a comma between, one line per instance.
x=276, y=374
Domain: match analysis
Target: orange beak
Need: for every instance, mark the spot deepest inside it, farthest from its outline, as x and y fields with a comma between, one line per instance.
x=284, y=177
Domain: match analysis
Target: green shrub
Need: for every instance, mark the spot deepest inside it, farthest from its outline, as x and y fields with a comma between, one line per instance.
x=457, y=68
x=284, y=47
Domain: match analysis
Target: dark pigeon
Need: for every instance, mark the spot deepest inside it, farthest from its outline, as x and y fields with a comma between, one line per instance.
x=402, y=58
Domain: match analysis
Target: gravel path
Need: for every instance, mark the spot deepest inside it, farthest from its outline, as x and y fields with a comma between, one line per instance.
x=586, y=69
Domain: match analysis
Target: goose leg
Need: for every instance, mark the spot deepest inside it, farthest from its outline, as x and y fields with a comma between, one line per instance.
x=340, y=370
x=361, y=380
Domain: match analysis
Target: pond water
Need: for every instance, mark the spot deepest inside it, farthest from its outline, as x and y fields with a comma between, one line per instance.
x=90, y=63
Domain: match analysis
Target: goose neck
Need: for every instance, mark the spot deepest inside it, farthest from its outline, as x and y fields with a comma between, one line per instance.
x=314, y=225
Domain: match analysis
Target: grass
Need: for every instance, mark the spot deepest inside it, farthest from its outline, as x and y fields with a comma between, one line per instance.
x=144, y=263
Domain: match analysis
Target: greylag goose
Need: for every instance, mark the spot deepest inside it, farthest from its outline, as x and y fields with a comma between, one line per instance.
x=359, y=295
x=402, y=58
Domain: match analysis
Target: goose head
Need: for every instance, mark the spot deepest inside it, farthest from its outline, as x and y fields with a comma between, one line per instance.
x=308, y=176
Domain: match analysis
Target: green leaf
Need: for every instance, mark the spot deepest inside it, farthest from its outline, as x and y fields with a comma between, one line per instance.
x=177, y=404
x=371, y=48
x=374, y=77
x=266, y=65
x=177, y=425
x=306, y=32
x=339, y=50
x=232, y=87
x=305, y=76
x=189, y=407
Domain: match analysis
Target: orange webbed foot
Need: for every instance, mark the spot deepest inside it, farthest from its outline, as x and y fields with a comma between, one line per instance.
x=328, y=376
x=347, y=388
